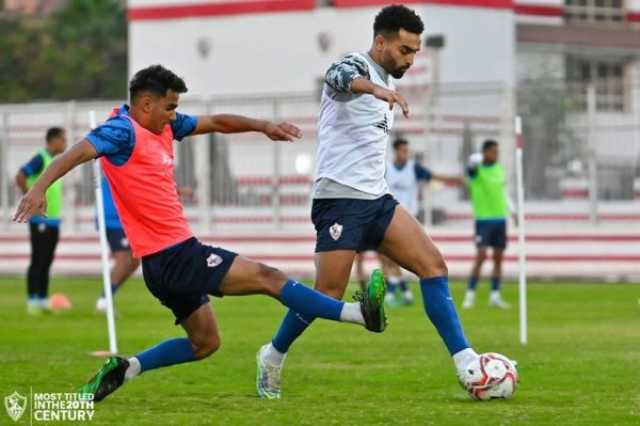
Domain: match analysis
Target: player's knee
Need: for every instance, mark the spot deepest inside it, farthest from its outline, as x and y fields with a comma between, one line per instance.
x=205, y=346
x=433, y=265
x=271, y=280
x=134, y=263
x=332, y=288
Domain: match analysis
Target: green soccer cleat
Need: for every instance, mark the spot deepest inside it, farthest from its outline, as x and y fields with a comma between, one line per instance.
x=372, y=302
x=109, y=378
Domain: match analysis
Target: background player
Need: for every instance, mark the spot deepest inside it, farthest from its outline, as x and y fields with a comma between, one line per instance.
x=352, y=209
x=44, y=231
x=136, y=146
x=491, y=205
x=403, y=176
x=124, y=264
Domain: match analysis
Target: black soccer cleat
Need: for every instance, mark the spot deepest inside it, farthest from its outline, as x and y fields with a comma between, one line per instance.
x=109, y=378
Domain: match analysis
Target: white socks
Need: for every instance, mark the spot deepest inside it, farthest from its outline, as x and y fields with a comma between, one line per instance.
x=463, y=358
x=133, y=370
x=351, y=313
x=273, y=356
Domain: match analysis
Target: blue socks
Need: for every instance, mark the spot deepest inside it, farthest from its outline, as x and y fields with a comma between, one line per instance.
x=305, y=305
x=114, y=288
x=169, y=352
x=293, y=325
x=495, y=284
x=440, y=309
x=403, y=286
x=309, y=302
x=473, y=283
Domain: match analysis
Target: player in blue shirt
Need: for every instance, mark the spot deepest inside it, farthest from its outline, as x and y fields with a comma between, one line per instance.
x=124, y=262
x=118, y=131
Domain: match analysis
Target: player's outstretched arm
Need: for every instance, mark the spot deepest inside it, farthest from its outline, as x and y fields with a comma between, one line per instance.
x=228, y=123
x=363, y=85
x=450, y=180
x=33, y=202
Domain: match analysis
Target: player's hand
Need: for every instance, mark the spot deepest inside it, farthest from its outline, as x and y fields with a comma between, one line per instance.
x=32, y=203
x=282, y=132
x=392, y=98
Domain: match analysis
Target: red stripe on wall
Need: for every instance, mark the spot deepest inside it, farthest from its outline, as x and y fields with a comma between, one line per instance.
x=310, y=238
x=493, y=4
x=204, y=9
x=310, y=258
x=193, y=10
x=538, y=10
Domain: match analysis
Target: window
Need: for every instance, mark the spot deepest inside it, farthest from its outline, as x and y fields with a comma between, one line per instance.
x=597, y=11
x=607, y=76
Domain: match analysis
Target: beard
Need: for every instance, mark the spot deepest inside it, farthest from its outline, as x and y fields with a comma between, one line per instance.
x=399, y=72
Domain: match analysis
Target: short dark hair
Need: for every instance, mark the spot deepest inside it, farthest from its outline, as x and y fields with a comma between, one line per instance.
x=488, y=144
x=157, y=80
x=400, y=142
x=391, y=18
x=53, y=133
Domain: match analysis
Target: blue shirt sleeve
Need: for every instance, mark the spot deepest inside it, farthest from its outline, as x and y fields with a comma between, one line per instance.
x=183, y=125
x=115, y=139
x=33, y=167
x=423, y=173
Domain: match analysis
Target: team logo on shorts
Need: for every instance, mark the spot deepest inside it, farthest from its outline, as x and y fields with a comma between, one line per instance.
x=124, y=242
x=336, y=231
x=213, y=260
x=15, y=404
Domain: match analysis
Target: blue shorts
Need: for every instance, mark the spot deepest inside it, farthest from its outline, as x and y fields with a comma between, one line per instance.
x=183, y=275
x=491, y=233
x=349, y=224
x=117, y=240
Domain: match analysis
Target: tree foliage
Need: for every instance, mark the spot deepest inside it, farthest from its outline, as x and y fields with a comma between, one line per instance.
x=78, y=52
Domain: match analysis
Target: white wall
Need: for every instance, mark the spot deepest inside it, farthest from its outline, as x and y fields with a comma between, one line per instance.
x=534, y=61
x=267, y=53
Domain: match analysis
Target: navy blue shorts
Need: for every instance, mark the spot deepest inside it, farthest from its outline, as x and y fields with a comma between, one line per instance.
x=348, y=224
x=183, y=275
x=491, y=233
x=117, y=240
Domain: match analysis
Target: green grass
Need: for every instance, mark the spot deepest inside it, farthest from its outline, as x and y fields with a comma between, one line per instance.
x=581, y=367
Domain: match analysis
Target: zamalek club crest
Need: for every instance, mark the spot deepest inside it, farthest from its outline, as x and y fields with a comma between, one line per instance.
x=213, y=260
x=15, y=405
x=336, y=231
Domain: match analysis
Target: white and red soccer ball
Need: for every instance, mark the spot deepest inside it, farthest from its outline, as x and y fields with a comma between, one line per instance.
x=490, y=376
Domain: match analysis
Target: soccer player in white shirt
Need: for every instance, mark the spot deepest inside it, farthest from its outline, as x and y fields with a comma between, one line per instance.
x=404, y=177
x=352, y=208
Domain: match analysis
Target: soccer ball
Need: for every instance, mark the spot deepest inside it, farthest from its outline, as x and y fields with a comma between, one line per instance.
x=490, y=376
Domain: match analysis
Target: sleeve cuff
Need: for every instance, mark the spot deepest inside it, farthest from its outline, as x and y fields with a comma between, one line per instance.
x=95, y=142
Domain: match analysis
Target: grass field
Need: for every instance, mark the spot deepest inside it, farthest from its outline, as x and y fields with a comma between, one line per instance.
x=582, y=366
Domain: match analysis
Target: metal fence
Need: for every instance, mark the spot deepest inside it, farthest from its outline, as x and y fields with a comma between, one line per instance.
x=578, y=150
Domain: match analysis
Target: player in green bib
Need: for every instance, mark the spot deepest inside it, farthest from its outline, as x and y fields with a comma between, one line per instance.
x=490, y=202
x=44, y=231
